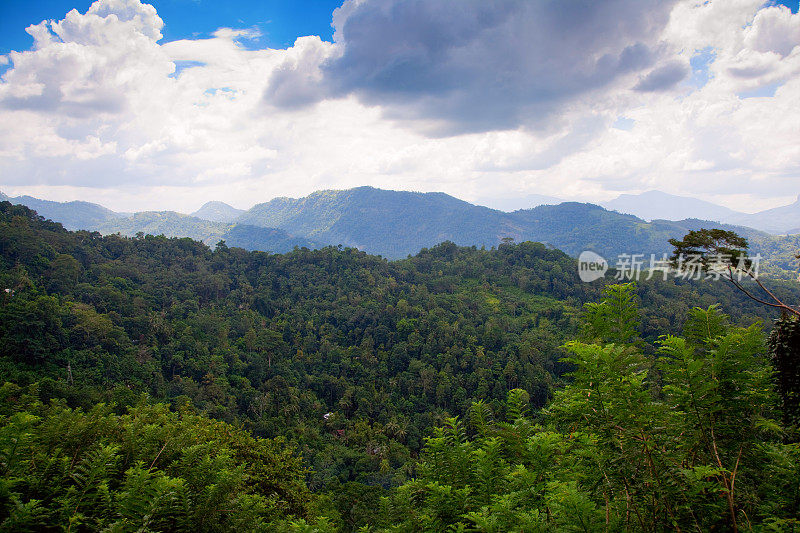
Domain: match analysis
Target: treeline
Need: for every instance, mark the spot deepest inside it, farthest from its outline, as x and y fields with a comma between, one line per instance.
x=348, y=357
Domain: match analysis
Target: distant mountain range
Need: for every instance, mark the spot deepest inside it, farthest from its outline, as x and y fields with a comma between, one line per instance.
x=398, y=223
x=390, y=223
x=653, y=205
x=209, y=228
x=781, y=220
x=659, y=205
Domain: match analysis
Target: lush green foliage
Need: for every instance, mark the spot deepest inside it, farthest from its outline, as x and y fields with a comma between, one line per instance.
x=781, y=255
x=350, y=358
x=685, y=440
x=711, y=245
x=147, y=470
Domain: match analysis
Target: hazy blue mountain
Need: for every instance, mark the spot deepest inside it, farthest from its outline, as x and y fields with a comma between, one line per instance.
x=658, y=205
x=72, y=215
x=218, y=212
x=779, y=220
x=654, y=205
x=3, y=197
x=93, y=217
x=172, y=224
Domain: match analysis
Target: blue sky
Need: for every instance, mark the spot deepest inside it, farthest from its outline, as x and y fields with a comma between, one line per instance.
x=279, y=21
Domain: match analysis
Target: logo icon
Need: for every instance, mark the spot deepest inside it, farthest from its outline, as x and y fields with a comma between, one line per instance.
x=591, y=266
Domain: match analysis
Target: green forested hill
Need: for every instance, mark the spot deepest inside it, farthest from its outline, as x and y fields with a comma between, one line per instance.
x=390, y=223
x=351, y=358
x=781, y=253
x=575, y=227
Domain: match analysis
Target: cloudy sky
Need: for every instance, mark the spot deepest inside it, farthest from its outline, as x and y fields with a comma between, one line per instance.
x=165, y=106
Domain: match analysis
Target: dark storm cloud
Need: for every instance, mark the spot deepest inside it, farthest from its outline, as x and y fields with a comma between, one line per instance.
x=478, y=65
x=664, y=77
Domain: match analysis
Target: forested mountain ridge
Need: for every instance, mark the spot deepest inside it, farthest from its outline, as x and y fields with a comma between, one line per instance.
x=390, y=223
x=350, y=357
x=399, y=223
x=396, y=224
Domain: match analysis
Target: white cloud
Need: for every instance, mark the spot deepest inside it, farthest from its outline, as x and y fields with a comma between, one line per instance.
x=101, y=109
